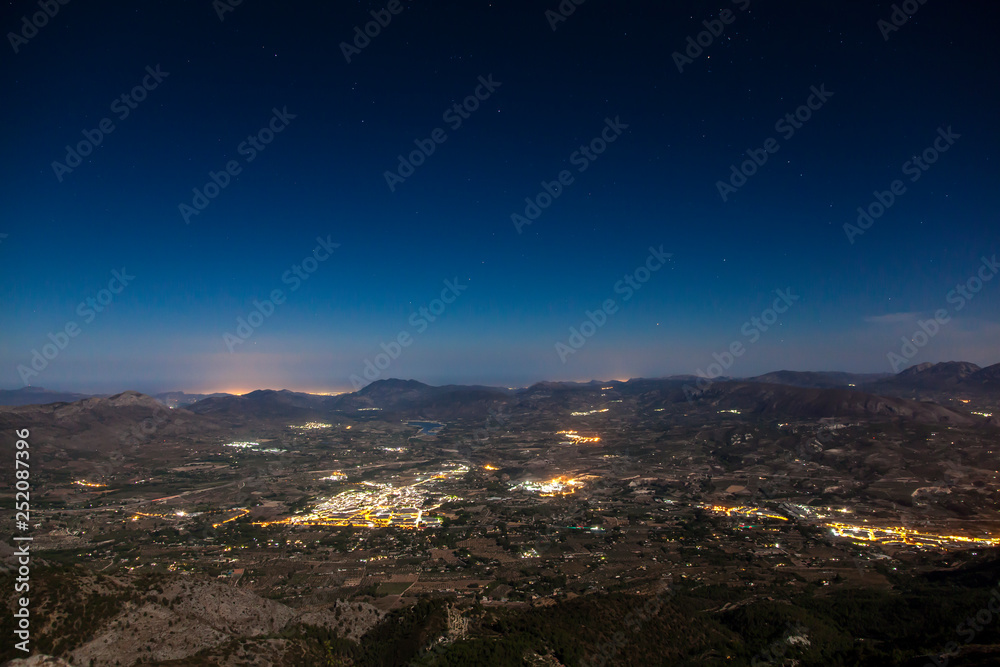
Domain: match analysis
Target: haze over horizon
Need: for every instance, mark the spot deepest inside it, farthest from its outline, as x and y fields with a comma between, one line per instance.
x=121, y=273
x=239, y=391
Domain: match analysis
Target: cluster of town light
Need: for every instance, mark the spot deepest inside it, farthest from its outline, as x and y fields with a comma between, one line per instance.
x=557, y=486
x=253, y=446
x=588, y=412
x=375, y=505
x=575, y=437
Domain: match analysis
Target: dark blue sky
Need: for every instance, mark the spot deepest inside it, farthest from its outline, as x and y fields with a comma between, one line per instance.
x=323, y=175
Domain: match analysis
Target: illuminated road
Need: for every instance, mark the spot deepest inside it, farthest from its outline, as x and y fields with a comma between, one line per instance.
x=882, y=535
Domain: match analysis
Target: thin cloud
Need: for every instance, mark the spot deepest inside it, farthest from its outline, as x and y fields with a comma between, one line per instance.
x=892, y=318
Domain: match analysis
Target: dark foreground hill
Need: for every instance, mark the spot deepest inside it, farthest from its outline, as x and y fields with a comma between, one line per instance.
x=168, y=619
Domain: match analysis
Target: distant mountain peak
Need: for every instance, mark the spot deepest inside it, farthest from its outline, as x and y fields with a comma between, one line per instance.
x=392, y=384
x=919, y=368
x=954, y=369
x=128, y=399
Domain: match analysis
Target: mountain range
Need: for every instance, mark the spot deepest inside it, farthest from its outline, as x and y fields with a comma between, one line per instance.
x=784, y=395
x=927, y=381
x=39, y=395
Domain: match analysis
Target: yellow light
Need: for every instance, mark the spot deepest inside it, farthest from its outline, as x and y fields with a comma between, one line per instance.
x=82, y=482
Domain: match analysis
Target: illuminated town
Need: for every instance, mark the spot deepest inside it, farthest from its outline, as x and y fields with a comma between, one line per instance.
x=254, y=447
x=373, y=505
x=557, y=486
x=242, y=444
x=576, y=438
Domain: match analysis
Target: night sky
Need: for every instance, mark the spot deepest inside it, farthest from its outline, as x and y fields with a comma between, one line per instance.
x=306, y=211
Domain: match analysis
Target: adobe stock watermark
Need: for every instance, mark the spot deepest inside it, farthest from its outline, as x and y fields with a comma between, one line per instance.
x=22, y=520
x=31, y=25
x=627, y=286
x=88, y=309
x=713, y=29
x=454, y=116
x=223, y=7
x=914, y=168
x=562, y=12
x=249, y=149
x=581, y=158
x=362, y=38
x=294, y=276
x=122, y=106
x=752, y=330
x=420, y=321
x=969, y=629
x=959, y=297
x=787, y=125
x=900, y=15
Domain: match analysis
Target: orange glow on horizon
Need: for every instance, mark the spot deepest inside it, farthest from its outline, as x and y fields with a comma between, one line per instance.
x=245, y=391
